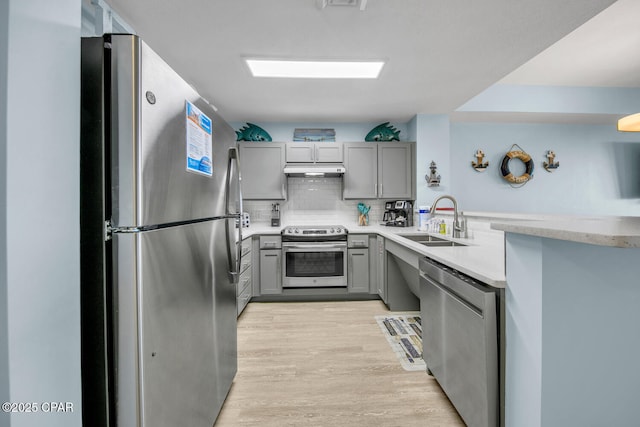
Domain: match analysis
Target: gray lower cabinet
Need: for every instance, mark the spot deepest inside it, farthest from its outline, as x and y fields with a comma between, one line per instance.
x=270, y=265
x=358, y=263
x=373, y=264
x=244, y=286
x=381, y=268
x=261, y=169
x=379, y=170
x=358, y=274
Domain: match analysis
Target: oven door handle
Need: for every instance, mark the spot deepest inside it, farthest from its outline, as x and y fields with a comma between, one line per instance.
x=334, y=246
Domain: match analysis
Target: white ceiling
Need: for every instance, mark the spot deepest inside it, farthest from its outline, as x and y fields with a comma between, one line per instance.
x=439, y=53
x=603, y=52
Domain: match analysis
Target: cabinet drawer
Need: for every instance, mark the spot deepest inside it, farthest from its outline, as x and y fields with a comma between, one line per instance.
x=358, y=241
x=270, y=242
x=246, y=246
x=243, y=299
x=244, y=282
x=245, y=263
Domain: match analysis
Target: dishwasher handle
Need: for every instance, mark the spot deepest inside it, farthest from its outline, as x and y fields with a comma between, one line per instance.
x=453, y=294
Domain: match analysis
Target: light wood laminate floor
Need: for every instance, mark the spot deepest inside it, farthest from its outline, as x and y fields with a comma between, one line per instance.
x=326, y=364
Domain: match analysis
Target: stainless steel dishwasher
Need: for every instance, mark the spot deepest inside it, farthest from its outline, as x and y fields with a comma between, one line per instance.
x=460, y=340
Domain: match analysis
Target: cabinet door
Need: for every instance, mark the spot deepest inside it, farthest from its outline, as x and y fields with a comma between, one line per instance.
x=373, y=264
x=244, y=286
x=382, y=262
x=300, y=152
x=270, y=272
x=360, y=177
x=330, y=152
x=358, y=270
x=261, y=168
x=395, y=171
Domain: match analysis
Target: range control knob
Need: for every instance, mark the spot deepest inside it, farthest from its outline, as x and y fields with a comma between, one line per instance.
x=332, y=231
x=297, y=230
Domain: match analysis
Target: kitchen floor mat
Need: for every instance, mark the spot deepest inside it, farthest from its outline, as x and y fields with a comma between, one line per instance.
x=403, y=332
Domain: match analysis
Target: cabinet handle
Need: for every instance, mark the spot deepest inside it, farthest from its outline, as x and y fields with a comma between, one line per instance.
x=375, y=189
x=317, y=154
x=381, y=191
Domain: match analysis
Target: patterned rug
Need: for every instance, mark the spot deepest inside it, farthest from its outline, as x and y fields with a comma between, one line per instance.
x=403, y=331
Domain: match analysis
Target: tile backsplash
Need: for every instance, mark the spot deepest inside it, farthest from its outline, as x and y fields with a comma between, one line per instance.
x=317, y=200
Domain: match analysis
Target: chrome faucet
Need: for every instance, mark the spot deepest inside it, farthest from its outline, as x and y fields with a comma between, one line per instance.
x=456, y=224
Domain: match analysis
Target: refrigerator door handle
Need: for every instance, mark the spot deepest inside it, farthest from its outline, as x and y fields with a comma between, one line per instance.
x=232, y=244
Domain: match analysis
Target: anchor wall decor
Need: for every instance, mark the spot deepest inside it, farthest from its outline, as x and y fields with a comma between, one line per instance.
x=550, y=166
x=479, y=165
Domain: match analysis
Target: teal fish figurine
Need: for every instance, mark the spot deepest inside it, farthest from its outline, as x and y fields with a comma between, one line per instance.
x=383, y=132
x=251, y=132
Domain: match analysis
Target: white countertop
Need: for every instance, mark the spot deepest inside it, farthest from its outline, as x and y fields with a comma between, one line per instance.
x=482, y=258
x=621, y=232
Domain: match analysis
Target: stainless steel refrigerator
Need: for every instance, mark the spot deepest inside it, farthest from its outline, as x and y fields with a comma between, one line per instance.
x=160, y=211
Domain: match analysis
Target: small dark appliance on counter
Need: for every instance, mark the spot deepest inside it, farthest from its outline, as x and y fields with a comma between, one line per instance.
x=398, y=213
x=275, y=215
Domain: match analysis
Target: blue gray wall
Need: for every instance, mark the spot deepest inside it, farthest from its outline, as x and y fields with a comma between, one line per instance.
x=571, y=332
x=432, y=136
x=4, y=325
x=598, y=172
x=39, y=163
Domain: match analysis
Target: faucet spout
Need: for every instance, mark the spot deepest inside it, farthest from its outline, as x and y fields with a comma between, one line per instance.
x=456, y=224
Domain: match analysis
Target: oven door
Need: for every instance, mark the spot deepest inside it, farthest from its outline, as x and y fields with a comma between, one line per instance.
x=314, y=264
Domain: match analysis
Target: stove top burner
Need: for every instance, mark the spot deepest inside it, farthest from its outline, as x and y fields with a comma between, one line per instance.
x=313, y=232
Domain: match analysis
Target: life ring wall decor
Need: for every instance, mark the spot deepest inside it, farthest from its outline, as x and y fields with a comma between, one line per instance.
x=525, y=158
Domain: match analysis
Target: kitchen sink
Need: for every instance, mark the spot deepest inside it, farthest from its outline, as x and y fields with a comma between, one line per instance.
x=429, y=240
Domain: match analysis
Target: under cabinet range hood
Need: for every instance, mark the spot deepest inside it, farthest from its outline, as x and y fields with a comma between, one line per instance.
x=310, y=170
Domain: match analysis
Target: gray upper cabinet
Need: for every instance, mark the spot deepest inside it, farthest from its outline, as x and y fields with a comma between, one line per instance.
x=329, y=153
x=300, y=152
x=395, y=171
x=261, y=168
x=361, y=176
x=378, y=170
x=314, y=152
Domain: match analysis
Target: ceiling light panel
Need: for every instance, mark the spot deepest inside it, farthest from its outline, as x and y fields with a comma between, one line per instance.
x=315, y=69
x=352, y=3
x=342, y=2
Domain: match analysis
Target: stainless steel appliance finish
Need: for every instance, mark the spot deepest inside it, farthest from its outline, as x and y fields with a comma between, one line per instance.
x=162, y=246
x=314, y=256
x=313, y=169
x=457, y=227
x=460, y=340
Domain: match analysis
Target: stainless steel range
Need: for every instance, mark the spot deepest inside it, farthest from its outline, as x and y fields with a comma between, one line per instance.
x=314, y=256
